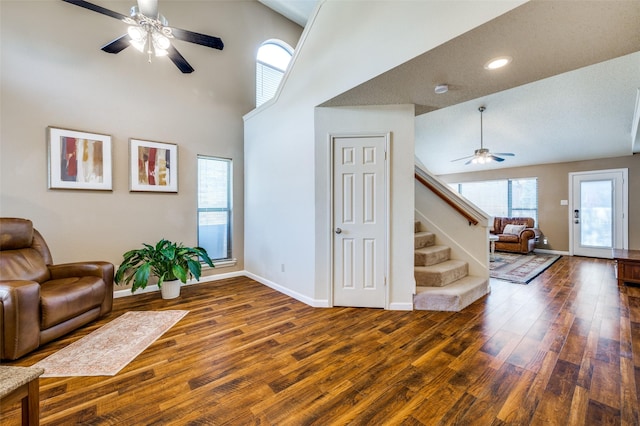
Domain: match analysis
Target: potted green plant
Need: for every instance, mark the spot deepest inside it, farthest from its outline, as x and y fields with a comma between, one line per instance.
x=171, y=263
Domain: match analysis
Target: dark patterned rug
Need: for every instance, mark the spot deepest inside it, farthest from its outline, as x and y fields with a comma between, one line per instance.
x=520, y=268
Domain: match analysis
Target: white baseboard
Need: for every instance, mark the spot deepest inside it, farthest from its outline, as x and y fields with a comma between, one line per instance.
x=401, y=306
x=545, y=251
x=316, y=303
x=154, y=287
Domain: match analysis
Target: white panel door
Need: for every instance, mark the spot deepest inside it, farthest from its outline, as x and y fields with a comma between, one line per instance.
x=359, y=221
x=599, y=212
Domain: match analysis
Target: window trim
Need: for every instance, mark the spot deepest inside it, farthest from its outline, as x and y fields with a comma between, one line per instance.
x=260, y=98
x=279, y=43
x=229, y=260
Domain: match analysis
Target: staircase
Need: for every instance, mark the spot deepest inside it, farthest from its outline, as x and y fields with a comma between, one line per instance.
x=443, y=284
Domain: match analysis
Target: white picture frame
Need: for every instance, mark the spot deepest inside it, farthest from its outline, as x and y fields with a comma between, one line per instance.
x=153, y=166
x=78, y=160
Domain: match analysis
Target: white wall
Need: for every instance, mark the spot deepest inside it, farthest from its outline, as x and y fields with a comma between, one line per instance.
x=344, y=44
x=467, y=242
x=54, y=74
x=398, y=120
x=279, y=191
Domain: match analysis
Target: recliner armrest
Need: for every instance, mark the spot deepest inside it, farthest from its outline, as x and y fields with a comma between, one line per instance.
x=80, y=269
x=529, y=233
x=100, y=269
x=20, y=322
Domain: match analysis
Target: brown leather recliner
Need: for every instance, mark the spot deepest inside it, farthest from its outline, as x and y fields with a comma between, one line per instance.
x=523, y=242
x=40, y=301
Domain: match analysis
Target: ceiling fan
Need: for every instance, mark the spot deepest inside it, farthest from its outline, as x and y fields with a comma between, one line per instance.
x=482, y=155
x=150, y=32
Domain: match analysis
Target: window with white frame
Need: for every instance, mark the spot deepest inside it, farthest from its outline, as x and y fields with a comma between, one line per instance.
x=271, y=63
x=504, y=197
x=214, y=206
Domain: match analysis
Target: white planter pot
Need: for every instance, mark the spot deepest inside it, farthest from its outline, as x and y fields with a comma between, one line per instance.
x=170, y=289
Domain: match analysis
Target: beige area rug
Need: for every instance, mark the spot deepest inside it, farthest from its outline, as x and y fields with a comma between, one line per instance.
x=520, y=268
x=110, y=348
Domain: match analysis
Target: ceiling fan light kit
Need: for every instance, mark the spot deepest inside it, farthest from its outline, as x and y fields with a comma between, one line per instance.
x=149, y=35
x=149, y=32
x=482, y=155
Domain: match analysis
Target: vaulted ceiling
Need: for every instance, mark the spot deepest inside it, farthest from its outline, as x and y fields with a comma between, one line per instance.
x=296, y=10
x=569, y=94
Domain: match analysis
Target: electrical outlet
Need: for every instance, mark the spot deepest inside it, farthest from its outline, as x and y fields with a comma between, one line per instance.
x=545, y=241
x=282, y=267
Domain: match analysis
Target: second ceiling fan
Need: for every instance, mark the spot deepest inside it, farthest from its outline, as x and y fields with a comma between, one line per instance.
x=150, y=32
x=482, y=155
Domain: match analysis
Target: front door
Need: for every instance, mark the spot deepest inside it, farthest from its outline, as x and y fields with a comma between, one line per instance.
x=598, y=212
x=359, y=221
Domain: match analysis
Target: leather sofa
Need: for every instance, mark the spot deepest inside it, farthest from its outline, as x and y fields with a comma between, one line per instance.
x=40, y=301
x=521, y=237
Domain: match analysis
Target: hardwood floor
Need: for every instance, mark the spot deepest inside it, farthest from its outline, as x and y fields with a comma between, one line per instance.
x=564, y=349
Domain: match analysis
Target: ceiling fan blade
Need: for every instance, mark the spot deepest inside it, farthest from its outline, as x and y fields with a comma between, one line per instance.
x=197, y=38
x=507, y=154
x=494, y=158
x=148, y=8
x=179, y=60
x=117, y=45
x=96, y=8
x=470, y=161
x=463, y=158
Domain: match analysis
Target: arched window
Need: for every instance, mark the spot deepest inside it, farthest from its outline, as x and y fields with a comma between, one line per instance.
x=271, y=63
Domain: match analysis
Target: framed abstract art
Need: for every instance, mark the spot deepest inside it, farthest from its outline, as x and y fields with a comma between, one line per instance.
x=153, y=166
x=78, y=160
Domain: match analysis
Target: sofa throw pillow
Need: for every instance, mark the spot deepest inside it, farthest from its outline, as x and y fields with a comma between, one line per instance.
x=513, y=229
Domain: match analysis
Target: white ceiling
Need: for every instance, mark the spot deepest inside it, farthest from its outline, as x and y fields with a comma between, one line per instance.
x=296, y=10
x=578, y=115
x=569, y=94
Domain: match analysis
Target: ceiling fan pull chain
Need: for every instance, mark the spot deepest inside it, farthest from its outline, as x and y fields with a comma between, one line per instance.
x=481, y=109
x=149, y=46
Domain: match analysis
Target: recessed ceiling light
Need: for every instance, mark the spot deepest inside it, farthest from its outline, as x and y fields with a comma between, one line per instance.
x=496, y=63
x=442, y=88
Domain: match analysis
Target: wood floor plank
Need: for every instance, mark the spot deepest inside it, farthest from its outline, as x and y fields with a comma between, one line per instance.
x=512, y=410
x=564, y=349
x=630, y=411
x=606, y=384
x=579, y=406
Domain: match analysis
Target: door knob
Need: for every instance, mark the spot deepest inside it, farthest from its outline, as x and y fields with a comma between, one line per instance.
x=338, y=231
